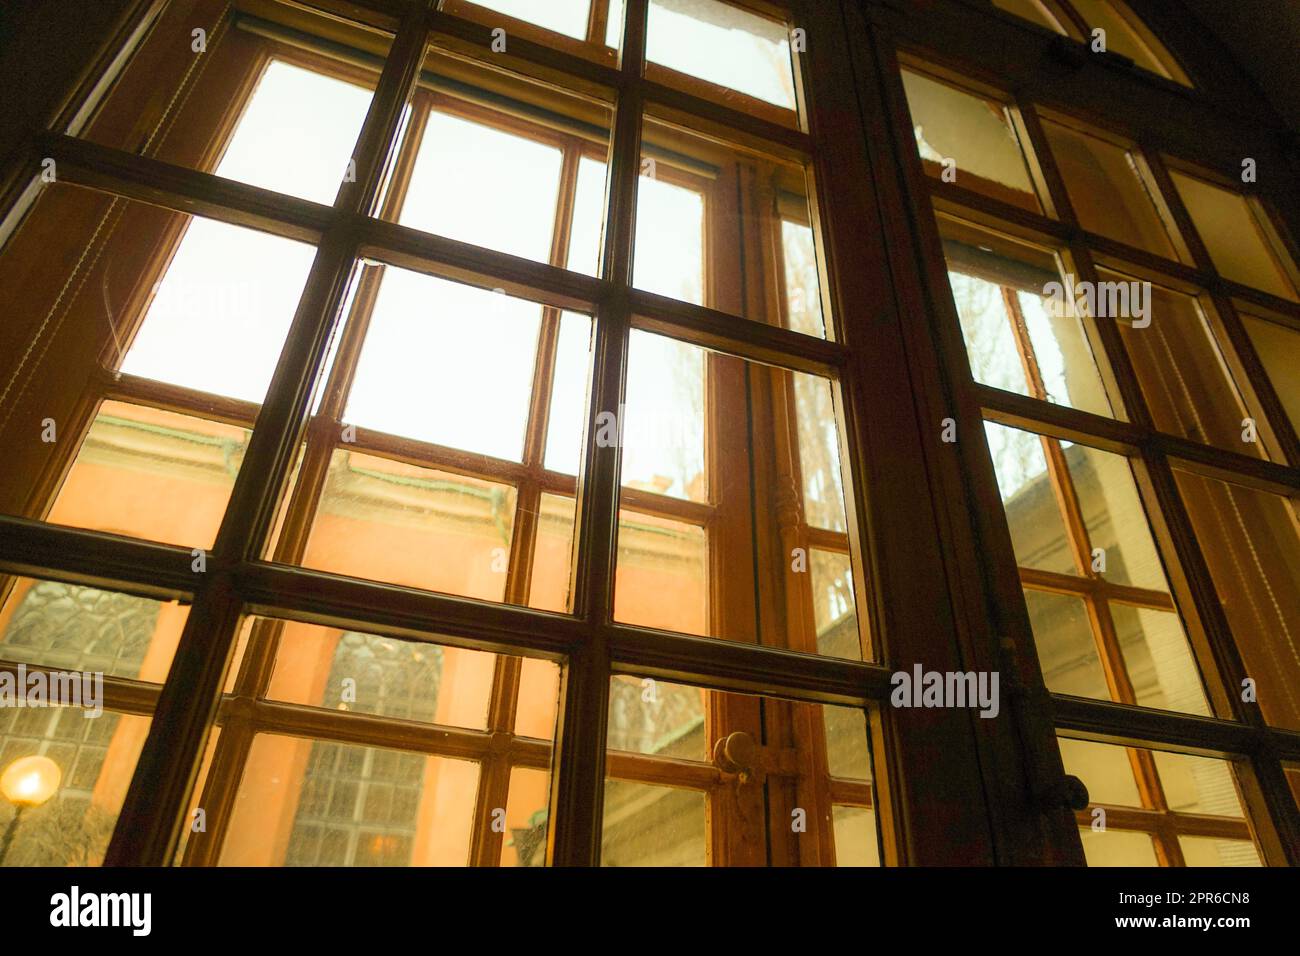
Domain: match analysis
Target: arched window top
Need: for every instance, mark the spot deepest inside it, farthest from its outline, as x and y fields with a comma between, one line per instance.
x=1124, y=31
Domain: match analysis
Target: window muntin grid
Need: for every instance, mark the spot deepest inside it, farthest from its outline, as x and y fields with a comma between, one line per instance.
x=821, y=361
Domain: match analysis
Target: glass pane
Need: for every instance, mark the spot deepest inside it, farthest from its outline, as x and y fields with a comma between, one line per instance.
x=697, y=450
x=1181, y=368
x=819, y=453
x=539, y=696
x=802, y=282
x=385, y=676
x=1022, y=333
x=526, y=818
x=85, y=767
x=568, y=415
x=1115, y=518
x=856, y=843
x=833, y=603
x=1098, y=488
x=221, y=311
x=152, y=474
x=550, y=588
x=1128, y=36
x=1107, y=192
x=1278, y=347
x=429, y=344
x=647, y=825
x=563, y=16
x=505, y=187
x=374, y=750
x=293, y=117
x=390, y=521
x=1158, y=660
x=71, y=627
x=1251, y=543
x=1238, y=238
x=847, y=753
x=296, y=134
x=988, y=327
x=1206, y=851
x=432, y=416
x=669, y=237
x=499, y=162
x=197, y=823
x=1105, y=770
x=1067, y=650
x=1118, y=848
x=146, y=307
x=710, y=214
x=614, y=25
x=664, y=424
x=723, y=44
x=1198, y=784
x=972, y=137
x=587, y=228
x=661, y=579
x=1037, y=528
x=304, y=802
x=655, y=717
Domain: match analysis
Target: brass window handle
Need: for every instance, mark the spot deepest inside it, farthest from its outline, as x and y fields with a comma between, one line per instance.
x=737, y=753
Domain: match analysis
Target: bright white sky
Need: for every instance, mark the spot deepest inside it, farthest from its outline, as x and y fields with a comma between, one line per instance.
x=726, y=45
x=563, y=16
x=223, y=309
x=505, y=188
x=749, y=54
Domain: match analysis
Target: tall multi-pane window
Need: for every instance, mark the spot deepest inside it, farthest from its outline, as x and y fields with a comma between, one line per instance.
x=460, y=395
x=508, y=433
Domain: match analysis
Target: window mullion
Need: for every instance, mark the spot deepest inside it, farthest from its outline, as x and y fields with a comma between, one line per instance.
x=494, y=778
x=578, y=778
x=220, y=789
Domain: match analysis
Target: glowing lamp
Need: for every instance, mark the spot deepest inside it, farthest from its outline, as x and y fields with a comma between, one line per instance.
x=30, y=781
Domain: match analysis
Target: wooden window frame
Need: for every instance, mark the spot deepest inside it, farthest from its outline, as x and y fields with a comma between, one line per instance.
x=897, y=364
x=588, y=643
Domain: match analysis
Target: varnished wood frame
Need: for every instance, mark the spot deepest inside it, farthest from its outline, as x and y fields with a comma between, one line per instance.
x=1256, y=748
